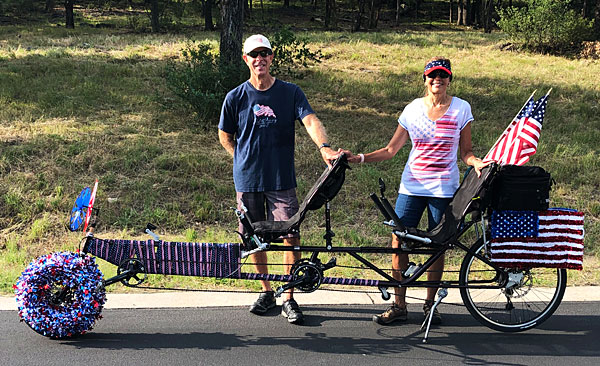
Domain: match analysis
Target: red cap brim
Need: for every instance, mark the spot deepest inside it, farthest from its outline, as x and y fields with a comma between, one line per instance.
x=437, y=68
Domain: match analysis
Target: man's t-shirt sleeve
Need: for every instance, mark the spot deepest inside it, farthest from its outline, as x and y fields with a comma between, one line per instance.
x=301, y=104
x=227, y=122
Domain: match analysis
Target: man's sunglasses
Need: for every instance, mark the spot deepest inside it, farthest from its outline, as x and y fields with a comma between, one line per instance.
x=263, y=53
x=441, y=73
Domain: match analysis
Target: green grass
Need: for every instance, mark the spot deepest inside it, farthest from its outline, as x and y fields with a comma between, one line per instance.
x=76, y=105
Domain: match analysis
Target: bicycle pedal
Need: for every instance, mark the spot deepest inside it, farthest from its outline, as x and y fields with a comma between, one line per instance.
x=412, y=268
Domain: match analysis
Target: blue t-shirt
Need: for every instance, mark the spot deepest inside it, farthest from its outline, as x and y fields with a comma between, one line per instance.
x=263, y=125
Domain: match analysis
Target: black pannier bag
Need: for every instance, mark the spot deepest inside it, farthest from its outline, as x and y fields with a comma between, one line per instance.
x=521, y=188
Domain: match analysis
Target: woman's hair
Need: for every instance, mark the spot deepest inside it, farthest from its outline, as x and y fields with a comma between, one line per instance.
x=436, y=58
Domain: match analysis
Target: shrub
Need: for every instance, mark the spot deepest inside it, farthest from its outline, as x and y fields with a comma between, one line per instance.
x=290, y=53
x=545, y=26
x=201, y=81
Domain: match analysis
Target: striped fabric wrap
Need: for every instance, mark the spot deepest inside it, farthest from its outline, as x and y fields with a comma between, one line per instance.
x=551, y=238
x=173, y=258
x=326, y=280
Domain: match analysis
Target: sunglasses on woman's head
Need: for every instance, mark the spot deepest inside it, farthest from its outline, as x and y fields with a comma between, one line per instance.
x=441, y=73
x=263, y=53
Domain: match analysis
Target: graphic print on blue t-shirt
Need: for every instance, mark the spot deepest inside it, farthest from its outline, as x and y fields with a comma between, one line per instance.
x=263, y=115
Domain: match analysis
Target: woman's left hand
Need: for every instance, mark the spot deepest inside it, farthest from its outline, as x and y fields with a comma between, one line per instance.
x=479, y=164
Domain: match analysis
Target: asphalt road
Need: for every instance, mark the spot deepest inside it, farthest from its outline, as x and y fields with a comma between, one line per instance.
x=331, y=335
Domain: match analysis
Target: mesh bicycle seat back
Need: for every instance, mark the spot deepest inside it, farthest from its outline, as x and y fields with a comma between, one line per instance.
x=325, y=189
x=470, y=196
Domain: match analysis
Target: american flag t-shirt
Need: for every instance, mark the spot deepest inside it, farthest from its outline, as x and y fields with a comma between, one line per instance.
x=431, y=169
x=551, y=238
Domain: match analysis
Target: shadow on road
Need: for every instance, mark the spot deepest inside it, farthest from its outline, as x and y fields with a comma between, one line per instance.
x=460, y=336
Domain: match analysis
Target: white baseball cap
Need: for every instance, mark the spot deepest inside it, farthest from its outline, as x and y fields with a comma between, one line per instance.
x=256, y=41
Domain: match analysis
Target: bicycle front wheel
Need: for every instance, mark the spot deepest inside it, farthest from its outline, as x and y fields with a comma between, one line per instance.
x=523, y=299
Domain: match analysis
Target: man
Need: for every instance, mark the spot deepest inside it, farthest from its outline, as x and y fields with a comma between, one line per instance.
x=257, y=127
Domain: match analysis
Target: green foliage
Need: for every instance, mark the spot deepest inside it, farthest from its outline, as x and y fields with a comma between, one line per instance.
x=290, y=53
x=545, y=25
x=201, y=81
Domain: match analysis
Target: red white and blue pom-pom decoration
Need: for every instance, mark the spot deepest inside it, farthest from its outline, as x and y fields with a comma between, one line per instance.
x=60, y=295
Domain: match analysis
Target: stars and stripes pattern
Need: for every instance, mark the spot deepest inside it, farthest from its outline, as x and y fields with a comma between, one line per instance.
x=433, y=144
x=520, y=139
x=263, y=110
x=551, y=238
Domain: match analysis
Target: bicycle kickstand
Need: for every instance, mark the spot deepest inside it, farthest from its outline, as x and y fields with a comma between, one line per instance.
x=443, y=292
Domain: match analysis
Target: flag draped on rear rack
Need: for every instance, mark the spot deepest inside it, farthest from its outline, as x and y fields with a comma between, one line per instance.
x=551, y=238
x=520, y=139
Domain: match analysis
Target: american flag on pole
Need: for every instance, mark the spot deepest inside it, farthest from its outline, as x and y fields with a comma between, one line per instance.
x=551, y=238
x=520, y=139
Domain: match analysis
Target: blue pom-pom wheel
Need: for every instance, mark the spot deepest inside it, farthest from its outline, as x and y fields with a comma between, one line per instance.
x=79, y=210
x=60, y=295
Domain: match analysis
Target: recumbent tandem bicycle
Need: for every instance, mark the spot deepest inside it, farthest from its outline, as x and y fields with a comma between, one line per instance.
x=62, y=294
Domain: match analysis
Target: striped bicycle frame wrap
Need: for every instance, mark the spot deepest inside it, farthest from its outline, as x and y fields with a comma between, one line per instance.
x=219, y=260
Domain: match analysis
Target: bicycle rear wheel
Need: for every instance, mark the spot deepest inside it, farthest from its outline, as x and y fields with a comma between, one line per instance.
x=528, y=298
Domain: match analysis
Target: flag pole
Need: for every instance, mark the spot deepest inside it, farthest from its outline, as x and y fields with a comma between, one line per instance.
x=511, y=121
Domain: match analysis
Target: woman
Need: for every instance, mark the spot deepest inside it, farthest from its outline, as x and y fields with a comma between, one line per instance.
x=437, y=124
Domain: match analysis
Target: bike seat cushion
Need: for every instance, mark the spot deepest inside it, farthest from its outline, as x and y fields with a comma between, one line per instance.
x=325, y=189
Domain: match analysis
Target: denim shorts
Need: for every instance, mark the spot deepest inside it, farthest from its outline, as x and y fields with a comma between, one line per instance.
x=270, y=206
x=410, y=209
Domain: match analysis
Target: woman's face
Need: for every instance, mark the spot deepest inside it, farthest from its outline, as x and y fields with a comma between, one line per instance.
x=437, y=82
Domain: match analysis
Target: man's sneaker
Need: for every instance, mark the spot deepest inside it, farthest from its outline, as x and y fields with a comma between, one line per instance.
x=436, y=318
x=265, y=301
x=392, y=314
x=292, y=312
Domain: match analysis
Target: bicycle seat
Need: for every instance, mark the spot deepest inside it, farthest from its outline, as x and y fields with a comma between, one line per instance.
x=470, y=196
x=325, y=189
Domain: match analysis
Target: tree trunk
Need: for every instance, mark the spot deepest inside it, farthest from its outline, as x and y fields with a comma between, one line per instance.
x=450, y=13
x=359, y=15
x=398, y=7
x=286, y=3
x=417, y=8
x=232, y=30
x=374, y=13
x=597, y=19
x=49, y=6
x=208, y=20
x=487, y=20
x=154, y=16
x=330, y=17
x=467, y=12
x=70, y=18
x=459, y=11
x=476, y=13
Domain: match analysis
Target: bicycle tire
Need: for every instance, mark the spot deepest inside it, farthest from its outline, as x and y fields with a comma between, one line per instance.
x=60, y=295
x=526, y=305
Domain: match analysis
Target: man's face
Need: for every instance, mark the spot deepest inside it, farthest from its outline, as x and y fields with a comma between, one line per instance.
x=260, y=64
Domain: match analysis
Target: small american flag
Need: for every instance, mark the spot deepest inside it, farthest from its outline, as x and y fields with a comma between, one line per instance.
x=551, y=238
x=520, y=139
x=263, y=110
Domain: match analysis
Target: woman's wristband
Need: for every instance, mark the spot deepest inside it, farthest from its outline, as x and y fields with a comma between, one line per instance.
x=362, y=158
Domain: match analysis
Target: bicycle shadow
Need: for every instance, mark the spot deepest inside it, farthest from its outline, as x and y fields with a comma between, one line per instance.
x=461, y=337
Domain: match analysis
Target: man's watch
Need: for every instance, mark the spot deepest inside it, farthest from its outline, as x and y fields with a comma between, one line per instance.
x=325, y=144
